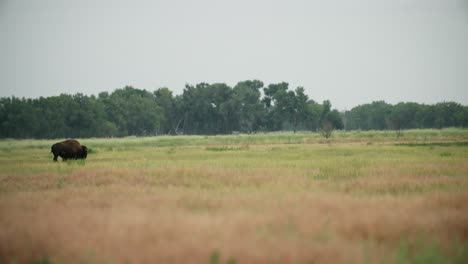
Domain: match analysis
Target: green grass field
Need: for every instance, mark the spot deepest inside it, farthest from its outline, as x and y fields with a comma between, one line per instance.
x=360, y=197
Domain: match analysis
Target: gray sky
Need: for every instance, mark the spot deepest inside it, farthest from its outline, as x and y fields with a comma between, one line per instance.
x=350, y=52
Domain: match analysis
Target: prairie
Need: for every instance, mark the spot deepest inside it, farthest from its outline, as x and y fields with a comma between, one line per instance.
x=360, y=197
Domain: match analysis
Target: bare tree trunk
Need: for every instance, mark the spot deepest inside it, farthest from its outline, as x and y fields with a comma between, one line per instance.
x=178, y=124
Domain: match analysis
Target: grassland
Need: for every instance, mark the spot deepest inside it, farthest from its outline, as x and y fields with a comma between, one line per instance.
x=361, y=197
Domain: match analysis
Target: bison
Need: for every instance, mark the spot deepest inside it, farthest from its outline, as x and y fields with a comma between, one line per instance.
x=69, y=149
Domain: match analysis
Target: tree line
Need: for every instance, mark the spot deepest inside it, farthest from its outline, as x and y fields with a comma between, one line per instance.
x=249, y=106
x=380, y=115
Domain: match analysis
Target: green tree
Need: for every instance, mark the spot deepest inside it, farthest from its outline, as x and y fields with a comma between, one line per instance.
x=206, y=108
x=274, y=110
x=165, y=100
x=133, y=111
x=369, y=116
x=246, y=105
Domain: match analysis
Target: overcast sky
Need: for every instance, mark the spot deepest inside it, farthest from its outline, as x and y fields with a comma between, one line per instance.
x=351, y=52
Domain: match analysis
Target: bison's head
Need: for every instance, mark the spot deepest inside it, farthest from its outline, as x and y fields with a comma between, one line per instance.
x=84, y=152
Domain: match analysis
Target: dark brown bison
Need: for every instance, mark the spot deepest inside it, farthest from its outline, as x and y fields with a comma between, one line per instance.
x=69, y=149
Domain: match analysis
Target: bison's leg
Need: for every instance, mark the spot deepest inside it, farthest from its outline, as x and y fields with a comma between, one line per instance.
x=55, y=157
x=63, y=155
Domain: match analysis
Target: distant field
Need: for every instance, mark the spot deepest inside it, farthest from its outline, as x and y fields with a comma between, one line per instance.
x=360, y=197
